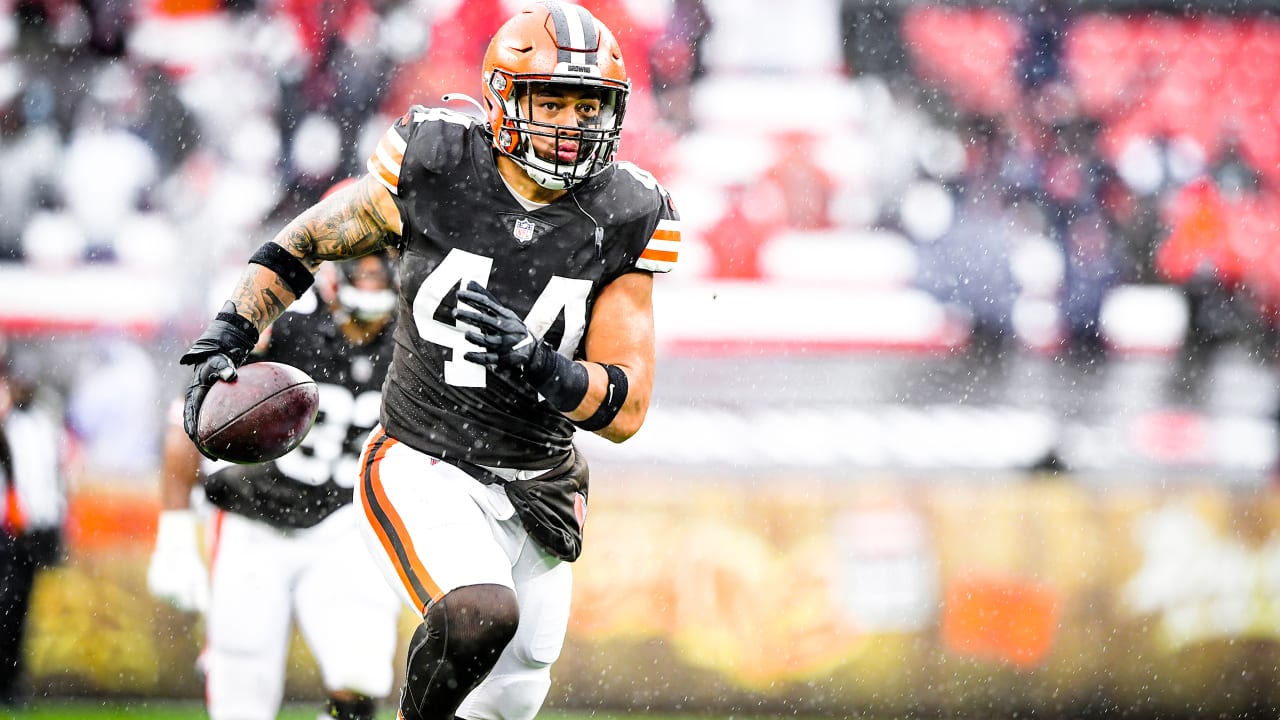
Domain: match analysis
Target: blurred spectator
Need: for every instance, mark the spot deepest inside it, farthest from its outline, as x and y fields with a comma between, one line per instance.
x=1232, y=172
x=691, y=21
x=31, y=155
x=968, y=264
x=108, y=171
x=676, y=63
x=33, y=510
x=114, y=408
x=871, y=35
x=109, y=22
x=1201, y=256
x=738, y=237
x=1070, y=189
x=1134, y=220
x=1044, y=25
x=347, y=66
x=1090, y=271
x=166, y=125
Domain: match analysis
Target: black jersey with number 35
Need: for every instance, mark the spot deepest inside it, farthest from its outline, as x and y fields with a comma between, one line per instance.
x=461, y=223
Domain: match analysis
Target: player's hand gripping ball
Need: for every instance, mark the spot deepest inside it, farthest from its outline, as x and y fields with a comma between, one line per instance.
x=263, y=413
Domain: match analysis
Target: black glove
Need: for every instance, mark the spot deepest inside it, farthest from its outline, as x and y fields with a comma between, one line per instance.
x=506, y=340
x=226, y=342
x=508, y=344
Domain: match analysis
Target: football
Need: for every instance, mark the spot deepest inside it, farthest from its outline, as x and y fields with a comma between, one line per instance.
x=260, y=415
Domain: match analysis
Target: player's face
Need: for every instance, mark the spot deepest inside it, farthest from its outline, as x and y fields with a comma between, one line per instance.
x=568, y=107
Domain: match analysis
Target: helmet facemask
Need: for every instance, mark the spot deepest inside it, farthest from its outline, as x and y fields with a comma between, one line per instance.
x=597, y=137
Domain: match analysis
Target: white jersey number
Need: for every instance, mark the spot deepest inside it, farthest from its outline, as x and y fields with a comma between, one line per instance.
x=460, y=267
x=334, y=440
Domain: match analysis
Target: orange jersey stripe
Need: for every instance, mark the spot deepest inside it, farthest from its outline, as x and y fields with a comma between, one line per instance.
x=387, y=176
x=659, y=255
x=397, y=156
x=390, y=529
x=663, y=234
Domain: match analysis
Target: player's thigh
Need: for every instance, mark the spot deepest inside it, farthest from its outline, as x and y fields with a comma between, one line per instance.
x=248, y=622
x=544, y=584
x=346, y=613
x=427, y=523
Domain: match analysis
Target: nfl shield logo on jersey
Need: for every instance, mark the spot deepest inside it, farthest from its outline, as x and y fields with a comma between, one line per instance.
x=523, y=231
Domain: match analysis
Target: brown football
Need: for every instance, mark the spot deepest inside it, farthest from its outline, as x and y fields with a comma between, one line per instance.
x=262, y=414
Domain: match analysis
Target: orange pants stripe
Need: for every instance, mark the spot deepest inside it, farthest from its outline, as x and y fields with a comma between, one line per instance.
x=390, y=529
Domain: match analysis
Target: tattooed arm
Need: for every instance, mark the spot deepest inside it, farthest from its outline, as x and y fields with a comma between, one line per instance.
x=352, y=222
x=357, y=220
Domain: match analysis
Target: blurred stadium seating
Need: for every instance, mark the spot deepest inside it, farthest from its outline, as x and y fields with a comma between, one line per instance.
x=886, y=155
x=892, y=429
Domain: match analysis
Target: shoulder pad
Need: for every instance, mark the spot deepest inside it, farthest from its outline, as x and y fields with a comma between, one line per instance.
x=631, y=196
x=630, y=193
x=432, y=139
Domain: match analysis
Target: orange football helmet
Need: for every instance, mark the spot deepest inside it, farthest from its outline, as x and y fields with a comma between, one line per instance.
x=554, y=42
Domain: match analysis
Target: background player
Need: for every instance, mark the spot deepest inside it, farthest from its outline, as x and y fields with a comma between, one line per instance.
x=525, y=311
x=33, y=508
x=283, y=536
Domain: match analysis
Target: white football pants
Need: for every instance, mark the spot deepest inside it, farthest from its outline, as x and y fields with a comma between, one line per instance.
x=261, y=579
x=433, y=528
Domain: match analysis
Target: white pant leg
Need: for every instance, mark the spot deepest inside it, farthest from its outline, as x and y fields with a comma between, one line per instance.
x=427, y=523
x=433, y=528
x=346, y=613
x=517, y=686
x=248, y=623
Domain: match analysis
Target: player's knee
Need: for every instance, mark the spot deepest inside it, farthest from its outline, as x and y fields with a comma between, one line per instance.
x=459, y=641
x=350, y=706
x=480, y=621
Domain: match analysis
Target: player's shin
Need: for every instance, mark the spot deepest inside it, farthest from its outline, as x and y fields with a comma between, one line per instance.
x=460, y=639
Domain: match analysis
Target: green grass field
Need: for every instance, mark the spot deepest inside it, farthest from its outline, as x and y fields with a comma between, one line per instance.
x=164, y=710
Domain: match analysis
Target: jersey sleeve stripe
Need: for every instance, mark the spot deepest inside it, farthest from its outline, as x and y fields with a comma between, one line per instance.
x=663, y=249
x=384, y=163
x=395, y=144
x=391, y=150
x=668, y=256
x=382, y=175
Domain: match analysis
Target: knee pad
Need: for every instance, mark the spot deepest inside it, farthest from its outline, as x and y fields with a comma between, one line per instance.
x=461, y=637
x=358, y=707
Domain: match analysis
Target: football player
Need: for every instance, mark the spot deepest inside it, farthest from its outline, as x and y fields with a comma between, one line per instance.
x=283, y=537
x=528, y=254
